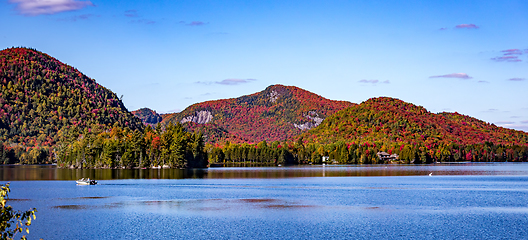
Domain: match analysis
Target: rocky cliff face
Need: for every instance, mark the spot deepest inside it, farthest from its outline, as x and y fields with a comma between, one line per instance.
x=201, y=117
x=314, y=121
x=277, y=113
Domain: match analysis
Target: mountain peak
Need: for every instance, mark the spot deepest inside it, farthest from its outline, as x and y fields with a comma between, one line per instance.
x=277, y=113
x=42, y=97
x=391, y=120
x=148, y=116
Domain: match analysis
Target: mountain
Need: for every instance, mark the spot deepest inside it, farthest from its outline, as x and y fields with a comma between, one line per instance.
x=390, y=120
x=277, y=113
x=147, y=116
x=42, y=98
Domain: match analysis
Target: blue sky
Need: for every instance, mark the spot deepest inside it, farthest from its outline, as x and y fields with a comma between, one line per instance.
x=465, y=56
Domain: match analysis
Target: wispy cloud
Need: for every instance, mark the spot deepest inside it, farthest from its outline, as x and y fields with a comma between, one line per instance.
x=369, y=81
x=134, y=14
x=79, y=17
x=143, y=21
x=482, y=81
x=524, y=121
x=521, y=127
x=235, y=81
x=131, y=13
x=196, y=23
x=516, y=79
x=442, y=29
x=491, y=110
x=507, y=59
x=193, y=23
x=229, y=81
x=512, y=52
x=510, y=55
x=176, y=110
x=204, y=83
x=39, y=7
x=453, y=75
x=467, y=26
x=374, y=81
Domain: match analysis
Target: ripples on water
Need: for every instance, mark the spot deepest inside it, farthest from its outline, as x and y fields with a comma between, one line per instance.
x=48, y=172
x=466, y=201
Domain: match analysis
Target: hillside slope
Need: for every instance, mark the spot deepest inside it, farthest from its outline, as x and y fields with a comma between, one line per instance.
x=277, y=113
x=147, y=116
x=41, y=97
x=389, y=119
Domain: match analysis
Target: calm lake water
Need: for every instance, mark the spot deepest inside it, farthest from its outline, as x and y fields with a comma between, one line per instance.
x=459, y=201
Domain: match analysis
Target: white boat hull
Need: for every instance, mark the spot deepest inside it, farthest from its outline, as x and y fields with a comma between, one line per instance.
x=86, y=182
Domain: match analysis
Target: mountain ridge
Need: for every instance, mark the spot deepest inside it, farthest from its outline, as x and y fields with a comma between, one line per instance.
x=42, y=99
x=277, y=113
x=390, y=119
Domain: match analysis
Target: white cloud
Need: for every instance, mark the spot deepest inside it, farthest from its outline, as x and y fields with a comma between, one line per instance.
x=234, y=81
x=229, y=81
x=39, y=7
x=373, y=81
x=521, y=127
x=467, y=26
x=453, y=75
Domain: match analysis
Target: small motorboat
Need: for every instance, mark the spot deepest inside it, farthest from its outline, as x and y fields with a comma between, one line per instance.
x=87, y=181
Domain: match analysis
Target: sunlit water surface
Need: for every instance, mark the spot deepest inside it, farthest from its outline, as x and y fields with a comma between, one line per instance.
x=459, y=201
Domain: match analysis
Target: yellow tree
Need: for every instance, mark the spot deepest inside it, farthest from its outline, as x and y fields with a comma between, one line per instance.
x=10, y=218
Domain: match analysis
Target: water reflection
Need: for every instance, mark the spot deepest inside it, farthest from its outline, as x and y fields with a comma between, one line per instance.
x=194, y=205
x=49, y=172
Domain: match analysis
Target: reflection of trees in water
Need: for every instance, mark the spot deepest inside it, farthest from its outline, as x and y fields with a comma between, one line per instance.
x=46, y=172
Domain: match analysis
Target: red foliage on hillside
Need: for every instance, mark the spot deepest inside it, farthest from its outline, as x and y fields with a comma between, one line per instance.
x=391, y=120
x=42, y=97
x=277, y=113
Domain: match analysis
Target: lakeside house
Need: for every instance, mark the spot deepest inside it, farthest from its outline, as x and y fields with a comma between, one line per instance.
x=385, y=157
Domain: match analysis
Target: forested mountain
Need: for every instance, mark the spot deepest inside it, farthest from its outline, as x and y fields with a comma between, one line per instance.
x=49, y=110
x=148, y=116
x=277, y=113
x=394, y=126
x=42, y=98
x=389, y=119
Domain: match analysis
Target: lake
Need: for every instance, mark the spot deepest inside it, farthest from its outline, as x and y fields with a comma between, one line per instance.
x=459, y=201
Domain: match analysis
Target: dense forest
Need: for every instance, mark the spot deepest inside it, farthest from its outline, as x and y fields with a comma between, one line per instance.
x=42, y=98
x=355, y=135
x=125, y=148
x=278, y=113
x=342, y=152
x=394, y=126
x=52, y=113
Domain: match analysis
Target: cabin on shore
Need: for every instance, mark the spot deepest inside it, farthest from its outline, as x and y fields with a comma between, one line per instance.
x=385, y=157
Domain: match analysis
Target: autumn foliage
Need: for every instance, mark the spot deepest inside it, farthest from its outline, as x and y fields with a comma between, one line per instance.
x=269, y=115
x=41, y=98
